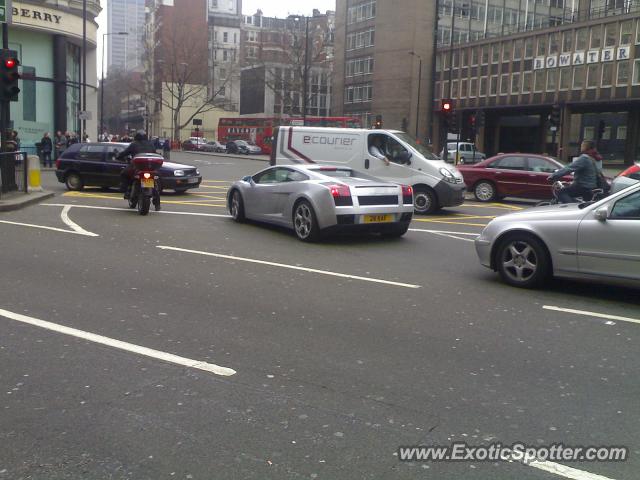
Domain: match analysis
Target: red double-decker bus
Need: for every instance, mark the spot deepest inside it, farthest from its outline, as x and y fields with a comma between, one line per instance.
x=259, y=130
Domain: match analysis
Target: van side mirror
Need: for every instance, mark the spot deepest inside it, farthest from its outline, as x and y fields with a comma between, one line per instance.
x=601, y=214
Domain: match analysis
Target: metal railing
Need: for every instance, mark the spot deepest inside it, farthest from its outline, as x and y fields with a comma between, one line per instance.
x=14, y=172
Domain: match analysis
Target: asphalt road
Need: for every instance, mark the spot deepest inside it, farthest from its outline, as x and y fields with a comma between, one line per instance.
x=306, y=374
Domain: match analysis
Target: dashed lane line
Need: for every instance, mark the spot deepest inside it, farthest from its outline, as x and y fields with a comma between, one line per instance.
x=119, y=344
x=604, y=316
x=290, y=267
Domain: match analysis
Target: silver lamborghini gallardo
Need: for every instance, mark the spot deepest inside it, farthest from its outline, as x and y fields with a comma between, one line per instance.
x=316, y=199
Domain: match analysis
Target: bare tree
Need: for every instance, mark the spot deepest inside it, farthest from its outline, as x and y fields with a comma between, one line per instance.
x=178, y=58
x=288, y=55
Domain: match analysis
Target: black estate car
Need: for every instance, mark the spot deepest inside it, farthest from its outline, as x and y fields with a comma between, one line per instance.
x=94, y=164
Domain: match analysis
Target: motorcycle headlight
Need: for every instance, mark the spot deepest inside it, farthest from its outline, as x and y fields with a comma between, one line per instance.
x=178, y=173
x=447, y=175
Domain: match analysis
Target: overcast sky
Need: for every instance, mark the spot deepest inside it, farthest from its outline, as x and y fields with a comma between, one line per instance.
x=282, y=8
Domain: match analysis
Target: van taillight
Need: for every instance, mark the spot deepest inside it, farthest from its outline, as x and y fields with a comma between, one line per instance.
x=407, y=194
x=341, y=195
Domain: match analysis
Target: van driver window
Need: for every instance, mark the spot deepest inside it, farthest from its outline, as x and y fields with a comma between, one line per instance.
x=378, y=147
x=395, y=151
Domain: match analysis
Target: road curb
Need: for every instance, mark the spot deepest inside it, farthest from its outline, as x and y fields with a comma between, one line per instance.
x=21, y=200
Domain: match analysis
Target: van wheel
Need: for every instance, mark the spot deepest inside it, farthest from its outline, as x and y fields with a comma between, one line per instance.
x=425, y=201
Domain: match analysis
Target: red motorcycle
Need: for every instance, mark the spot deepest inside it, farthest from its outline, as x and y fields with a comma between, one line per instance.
x=145, y=186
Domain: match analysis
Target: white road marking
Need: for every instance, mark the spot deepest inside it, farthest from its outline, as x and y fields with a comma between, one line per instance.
x=564, y=471
x=61, y=230
x=64, y=215
x=446, y=234
x=292, y=267
x=128, y=210
x=591, y=314
x=119, y=344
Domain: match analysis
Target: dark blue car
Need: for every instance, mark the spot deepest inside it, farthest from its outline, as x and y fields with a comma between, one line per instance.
x=95, y=164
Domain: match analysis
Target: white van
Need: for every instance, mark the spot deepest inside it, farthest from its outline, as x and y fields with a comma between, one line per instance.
x=435, y=183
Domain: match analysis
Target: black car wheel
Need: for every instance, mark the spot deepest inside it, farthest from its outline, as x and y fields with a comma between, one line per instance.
x=74, y=181
x=236, y=207
x=523, y=261
x=305, y=223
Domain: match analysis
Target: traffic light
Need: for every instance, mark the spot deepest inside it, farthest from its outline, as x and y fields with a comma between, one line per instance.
x=554, y=118
x=479, y=119
x=472, y=122
x=378, y=123
x=446, y=111
x=9, y=75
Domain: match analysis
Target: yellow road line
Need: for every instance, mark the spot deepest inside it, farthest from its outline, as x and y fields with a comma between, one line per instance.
x=450, y=223
x=207, y=196
x=501, y=206
x=218, y=181
x=119, y=197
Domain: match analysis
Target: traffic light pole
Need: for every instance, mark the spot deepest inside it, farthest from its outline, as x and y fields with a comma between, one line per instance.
x=4, y=106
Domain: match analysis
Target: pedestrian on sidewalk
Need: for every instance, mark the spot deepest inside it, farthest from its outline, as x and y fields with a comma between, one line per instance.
x=166, y=149
x=46, y=146
x=61, y=143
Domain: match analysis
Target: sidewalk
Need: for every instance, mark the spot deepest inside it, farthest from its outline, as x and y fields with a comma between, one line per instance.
x=17, y=200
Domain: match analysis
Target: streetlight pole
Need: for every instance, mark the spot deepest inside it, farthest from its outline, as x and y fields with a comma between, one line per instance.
x=414, y=54
x=306, y=72
x=104, y=35
x=84, y=70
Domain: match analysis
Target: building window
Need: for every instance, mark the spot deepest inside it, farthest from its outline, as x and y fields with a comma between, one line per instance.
x=483, y=86
x=552, y=79
x=361, y=13
x=445, y=90
x=495, y=53
x=493, y=86
x=359, y=66
x=474, y=57
x=454, y=89
x=578, y=77
x=542, y=45
x=565, y=78
x=636, y=72
x=623, y=73
x=225, y=37
x=581, y=39
x=528, y=48
x=463, y=88
x=626, y=29
x=588, y=133
x=607, y=74
x=358, y=93
x=638, y=33
x=538, y=81
x=504, y=84
x=506, y=52
x=610, y=34
x=526, y=82
x=606, y=134
x=593, y=75
x=28, y=95
x=465, y=58
x=596, y=37
x=485, y=55
x=567, y=41
x=454, y=59
x=361, y=39
x=621, y=134
x=473, y=87
x=517, y=49
x=515, y=84
x=553, y=44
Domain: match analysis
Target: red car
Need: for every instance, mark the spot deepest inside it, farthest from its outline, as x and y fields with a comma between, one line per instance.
x=511, y=175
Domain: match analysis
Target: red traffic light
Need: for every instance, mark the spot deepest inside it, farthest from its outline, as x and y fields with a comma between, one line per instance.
x=10, y=62
x=446, y=106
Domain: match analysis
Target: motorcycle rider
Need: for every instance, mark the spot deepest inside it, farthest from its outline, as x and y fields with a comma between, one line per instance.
x=585, y=175
x=139, y=145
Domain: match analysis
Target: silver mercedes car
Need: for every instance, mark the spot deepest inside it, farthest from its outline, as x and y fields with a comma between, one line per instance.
x=317, y=199
x=598, y=240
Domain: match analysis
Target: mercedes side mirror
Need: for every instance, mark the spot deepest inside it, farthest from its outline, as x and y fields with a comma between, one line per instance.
x=601, y=214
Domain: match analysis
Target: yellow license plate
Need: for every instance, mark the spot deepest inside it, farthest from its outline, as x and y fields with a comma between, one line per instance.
x=378, y=218
x=147, y=183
